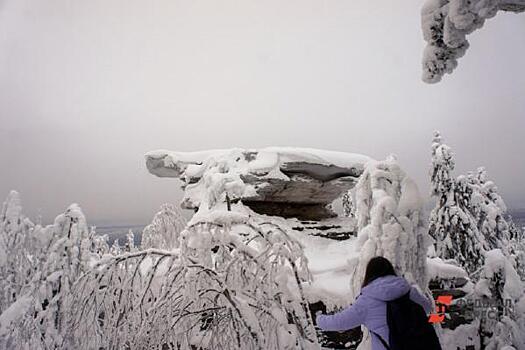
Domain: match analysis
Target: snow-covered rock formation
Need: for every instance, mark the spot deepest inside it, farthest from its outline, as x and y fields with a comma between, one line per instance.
x=286, y=182
x=293, y=188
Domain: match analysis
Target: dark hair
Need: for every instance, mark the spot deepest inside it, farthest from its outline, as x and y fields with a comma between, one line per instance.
x=378, y=267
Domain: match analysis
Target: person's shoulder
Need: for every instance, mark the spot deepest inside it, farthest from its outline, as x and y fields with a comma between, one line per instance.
x=365, y=299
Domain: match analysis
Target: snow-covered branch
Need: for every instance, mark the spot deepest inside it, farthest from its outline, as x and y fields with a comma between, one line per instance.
x=16, y=265
x=446, y=24
x=228, y=286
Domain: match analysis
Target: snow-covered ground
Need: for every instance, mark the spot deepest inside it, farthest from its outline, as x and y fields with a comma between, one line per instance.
x=332, y=263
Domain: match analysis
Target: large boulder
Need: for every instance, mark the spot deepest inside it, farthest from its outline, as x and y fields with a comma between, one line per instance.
x=286, y=182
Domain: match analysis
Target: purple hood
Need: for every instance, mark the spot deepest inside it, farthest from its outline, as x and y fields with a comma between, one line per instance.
x=386, y=288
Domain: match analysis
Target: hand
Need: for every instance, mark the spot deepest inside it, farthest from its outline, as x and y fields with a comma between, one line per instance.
x=317, y=314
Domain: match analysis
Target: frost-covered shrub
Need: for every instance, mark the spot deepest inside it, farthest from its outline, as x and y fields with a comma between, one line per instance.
x=164, y=230
x=233, y=284
x=100, y=245
x=38, y=318
x=15, y=259
x=115, y=248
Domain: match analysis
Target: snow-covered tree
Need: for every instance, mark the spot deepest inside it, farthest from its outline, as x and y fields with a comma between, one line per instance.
x=115, y=248
x=499, y=289
x=390, y=223
x=470, y=216
x=389, y=214
x=101, y=245
x=130, y=242
x=164, y=230
x=232, y=284
x=38, y=319
x=451, y=225
x=441, y=178
x=489, y=210
x=446, y=24
x=348, y=205
x=516, y=249
x=67, y=259
x=469, y=224
x=15, y=259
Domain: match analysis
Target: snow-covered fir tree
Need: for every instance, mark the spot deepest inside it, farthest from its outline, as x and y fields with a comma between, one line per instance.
x=115, y=249
x=489, y=210
x=516, y=249
x=451, y=225
x=470, y=216
x=130, y=242
x=470, y=225
x=348, y=205
x=164, y=230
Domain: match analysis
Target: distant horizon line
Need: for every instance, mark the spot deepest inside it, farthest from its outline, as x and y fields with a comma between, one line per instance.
x=518, y=212
x=120, y=224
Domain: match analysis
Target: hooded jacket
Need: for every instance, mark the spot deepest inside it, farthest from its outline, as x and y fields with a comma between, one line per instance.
x=369, y=309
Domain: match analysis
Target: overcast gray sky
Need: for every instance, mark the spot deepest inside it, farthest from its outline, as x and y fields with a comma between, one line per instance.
x=87, y=87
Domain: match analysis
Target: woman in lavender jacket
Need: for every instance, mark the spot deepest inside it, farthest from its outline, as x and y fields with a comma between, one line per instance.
x=380, y=285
